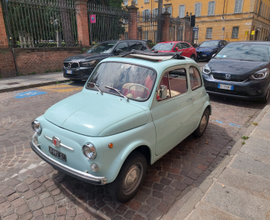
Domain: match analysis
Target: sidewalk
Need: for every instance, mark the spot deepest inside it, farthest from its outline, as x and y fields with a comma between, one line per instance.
x=29, y=81
x=239, y=187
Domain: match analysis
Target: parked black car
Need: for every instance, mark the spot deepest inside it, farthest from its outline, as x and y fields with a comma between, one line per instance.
x=241, y=70
x=79, y=67
x=208, y=48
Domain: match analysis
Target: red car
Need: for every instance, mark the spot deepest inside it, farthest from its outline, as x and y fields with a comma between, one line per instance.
x=176, y=46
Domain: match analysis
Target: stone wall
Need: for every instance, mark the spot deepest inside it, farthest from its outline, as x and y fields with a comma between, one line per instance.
x=42, y=60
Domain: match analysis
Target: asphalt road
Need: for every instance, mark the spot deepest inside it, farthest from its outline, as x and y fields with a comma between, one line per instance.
x=30, y=188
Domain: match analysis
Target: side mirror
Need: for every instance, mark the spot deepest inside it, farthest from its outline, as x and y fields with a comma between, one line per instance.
x=176, y=48
x=117, y=52
x=163, y=92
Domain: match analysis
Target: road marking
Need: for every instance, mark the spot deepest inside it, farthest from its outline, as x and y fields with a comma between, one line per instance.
x=230, y=124
x=29, y=94
x=62, y=88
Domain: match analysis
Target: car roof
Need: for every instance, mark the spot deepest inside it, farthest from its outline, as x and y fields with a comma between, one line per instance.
x=115, y=41
x=172, y=42
x=251, y=42
x=157, y=61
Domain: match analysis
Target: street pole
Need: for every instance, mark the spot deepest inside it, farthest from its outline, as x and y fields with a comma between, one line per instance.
x=159, y=31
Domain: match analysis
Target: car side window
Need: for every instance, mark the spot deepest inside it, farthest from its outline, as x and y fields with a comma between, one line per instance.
x=173, y=83
x=179, y=46
x=135, y=46
x=187, y=45
x=195, y=78
x=123, y=46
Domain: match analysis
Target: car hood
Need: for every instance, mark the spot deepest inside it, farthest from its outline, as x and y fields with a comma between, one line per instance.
x=203, y=49
x=87, y=57
x=237, y=68
x=92, y=114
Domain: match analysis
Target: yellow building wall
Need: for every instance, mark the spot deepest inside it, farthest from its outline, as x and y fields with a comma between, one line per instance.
x=224, y=16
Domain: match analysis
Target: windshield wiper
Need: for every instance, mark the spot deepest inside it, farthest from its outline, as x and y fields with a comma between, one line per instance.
x=96, y=87
x=120, y=93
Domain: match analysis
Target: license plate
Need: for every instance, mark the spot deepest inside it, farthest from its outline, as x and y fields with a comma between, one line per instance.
x=58, y=154
x=223, y=86
x=69, y=71
x=204, y=55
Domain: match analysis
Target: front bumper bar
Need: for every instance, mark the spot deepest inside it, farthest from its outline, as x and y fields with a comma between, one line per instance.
x=68, y=170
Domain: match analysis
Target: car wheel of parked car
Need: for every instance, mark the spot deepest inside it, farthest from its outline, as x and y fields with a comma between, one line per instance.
x=193, y=57
x=203, y=123
x=266, y=97
x=129, y=178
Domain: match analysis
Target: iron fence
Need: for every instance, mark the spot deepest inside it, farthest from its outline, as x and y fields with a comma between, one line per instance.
x=111, y=23
x=40, y=23
x=147, y=27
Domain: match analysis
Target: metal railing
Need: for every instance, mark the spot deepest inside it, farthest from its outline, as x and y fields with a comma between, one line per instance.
x=111, y=23
x=40, y=23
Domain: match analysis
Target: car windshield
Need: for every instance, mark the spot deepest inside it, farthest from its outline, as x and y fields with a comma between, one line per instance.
x=102, y=48
x=209, y=44
x=163, y=46
x=250, y=52
x=127, y=80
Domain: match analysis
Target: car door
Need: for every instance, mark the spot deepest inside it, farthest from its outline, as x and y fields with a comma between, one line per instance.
x=180, y=48
x=198, y=94
x=172, y=111
x=123, y=47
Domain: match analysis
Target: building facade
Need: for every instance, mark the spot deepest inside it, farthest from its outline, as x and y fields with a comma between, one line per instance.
x=230, y=20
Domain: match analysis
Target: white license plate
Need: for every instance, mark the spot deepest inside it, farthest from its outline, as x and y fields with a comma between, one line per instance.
x=69, y=71
x=223, y=86
x=58, y=154
x=204, y=55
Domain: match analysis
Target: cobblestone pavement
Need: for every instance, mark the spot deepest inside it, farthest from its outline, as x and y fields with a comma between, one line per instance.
x=32, y=189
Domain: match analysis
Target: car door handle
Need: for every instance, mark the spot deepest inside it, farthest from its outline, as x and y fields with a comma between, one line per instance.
x=190, y=100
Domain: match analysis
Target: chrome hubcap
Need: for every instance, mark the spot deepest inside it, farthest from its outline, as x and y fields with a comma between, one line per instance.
x=132, y=179
x=203, y=123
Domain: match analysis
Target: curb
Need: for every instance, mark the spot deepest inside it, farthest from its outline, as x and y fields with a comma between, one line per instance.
x=32, y=86
x=187, y=205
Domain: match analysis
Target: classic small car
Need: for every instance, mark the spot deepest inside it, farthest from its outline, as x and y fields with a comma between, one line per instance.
x=131, y=111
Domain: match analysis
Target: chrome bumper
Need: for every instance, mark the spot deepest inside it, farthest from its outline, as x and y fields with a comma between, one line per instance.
x=68, y=170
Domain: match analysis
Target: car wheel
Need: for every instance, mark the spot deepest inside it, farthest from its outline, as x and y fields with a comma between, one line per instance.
x=203, y=123
x=193, y=57
x=266, y=97
x=129, y=178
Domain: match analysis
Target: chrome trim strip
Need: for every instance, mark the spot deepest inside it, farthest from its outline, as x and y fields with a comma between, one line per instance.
x=65, y=146
x=76, y=173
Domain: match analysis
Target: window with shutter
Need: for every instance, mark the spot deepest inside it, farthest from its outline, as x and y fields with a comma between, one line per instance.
x=146, y=1
x=238, y=6
x=260, y=9
x=169, y=9
x=235, y=32
x=198, y=6
x=211, y=8
x=209, y=33
x=146, y=35
x=181, y=11
x=196, y=33
x=135, y=2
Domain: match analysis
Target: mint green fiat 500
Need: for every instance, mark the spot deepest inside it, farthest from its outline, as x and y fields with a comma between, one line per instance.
x=131, y=111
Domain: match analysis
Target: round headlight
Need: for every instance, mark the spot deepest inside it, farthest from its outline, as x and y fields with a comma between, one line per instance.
x=36, y=126
x=89, y=151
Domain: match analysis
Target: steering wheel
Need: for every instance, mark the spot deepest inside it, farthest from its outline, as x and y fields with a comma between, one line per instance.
x=137, y=85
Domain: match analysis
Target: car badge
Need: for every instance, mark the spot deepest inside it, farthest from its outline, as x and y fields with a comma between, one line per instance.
x=228, y=76
x=69, y=65
x=56, y=141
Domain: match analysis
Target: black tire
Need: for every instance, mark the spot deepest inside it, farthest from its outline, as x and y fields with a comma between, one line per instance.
x=203, y=123
x=193, y=57
x=126, y=185
x=266, y=97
